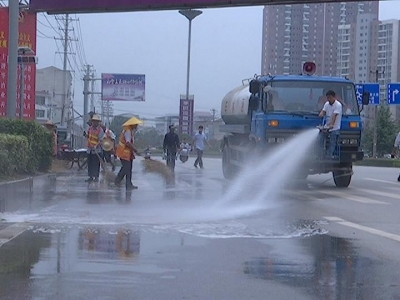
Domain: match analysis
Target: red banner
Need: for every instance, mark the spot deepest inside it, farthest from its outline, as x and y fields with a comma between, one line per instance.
x=27, y=38
x=186, y=115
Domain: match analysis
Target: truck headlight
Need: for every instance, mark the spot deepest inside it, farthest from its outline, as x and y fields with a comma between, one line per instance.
x=345, y=141
x=271, y=140
x=353, y=142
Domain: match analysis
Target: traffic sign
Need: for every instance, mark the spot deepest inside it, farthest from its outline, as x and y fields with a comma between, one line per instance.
x=393, y=93
x=359, y=92
x=373, y=89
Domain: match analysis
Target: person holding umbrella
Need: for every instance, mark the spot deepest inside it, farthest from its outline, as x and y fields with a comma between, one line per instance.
x=126, y=152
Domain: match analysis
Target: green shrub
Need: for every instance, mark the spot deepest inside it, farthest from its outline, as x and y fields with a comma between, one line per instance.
x=379, y=162
x=40, y=142
x=14, y=154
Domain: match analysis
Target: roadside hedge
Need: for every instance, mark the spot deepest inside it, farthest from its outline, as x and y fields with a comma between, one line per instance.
x=14, y=154
x=40, y=142
x=379, y=162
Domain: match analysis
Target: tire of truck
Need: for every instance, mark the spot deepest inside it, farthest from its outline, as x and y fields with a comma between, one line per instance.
x=342, y=178
x=228, y=169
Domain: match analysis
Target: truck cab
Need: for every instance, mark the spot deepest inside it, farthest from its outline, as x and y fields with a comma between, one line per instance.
x=272, y=109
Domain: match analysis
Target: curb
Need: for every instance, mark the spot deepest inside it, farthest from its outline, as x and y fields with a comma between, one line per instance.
x=21, y=190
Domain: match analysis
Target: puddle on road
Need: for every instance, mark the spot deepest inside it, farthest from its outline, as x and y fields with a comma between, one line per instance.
x=121, y=258
x=326, y=267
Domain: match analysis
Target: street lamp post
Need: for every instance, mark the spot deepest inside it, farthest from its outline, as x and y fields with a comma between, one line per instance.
x=190, y=14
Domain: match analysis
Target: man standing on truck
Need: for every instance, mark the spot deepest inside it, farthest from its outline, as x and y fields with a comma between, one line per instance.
x=332, y=110
x=199, y=143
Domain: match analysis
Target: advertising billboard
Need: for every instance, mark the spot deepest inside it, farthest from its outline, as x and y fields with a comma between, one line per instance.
x=27, y=38
x=186, y=115
x=95, y=6
x=123, y=87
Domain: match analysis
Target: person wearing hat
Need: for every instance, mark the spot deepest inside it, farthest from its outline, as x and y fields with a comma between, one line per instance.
x=108, y=146
x=95, y=137
x=53, y=130
x=126, y=152
x=171, y=146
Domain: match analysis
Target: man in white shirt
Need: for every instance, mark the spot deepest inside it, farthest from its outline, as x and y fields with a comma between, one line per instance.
x=199, y=143
x=332, y=110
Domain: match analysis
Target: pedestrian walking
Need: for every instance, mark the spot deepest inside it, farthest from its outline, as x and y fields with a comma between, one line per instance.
x=199, y=141
x=94, y=150
x=126, y=152
x=171, y=146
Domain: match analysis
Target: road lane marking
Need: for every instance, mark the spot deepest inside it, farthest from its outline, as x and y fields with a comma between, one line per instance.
x=350, y=197
x=302, y=194
x=378, y=193
x=11, y=232
x=371, y=230
x=379, y=180
x=353, y=198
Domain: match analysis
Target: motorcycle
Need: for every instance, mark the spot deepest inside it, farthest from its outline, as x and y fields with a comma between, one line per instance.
x=147, y=153
x=184, y=155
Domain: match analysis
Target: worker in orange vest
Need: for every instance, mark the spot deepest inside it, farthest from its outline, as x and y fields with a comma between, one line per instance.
x=94, y=150
x=109, y=146
x=126, y=152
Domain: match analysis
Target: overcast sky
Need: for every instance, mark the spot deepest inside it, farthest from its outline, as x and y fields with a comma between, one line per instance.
x=226, y=48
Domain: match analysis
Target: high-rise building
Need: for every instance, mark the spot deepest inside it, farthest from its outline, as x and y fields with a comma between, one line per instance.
x=368, y=53
x=294, y=34
x=388, y=58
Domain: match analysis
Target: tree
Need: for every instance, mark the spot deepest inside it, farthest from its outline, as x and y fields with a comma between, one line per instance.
x=148, y=137
x=386, y=132
x=116, y=124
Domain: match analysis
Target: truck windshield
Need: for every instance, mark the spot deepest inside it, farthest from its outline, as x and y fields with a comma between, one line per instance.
x=308, y=96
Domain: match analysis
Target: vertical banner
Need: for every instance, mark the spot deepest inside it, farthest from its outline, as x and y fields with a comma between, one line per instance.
x=186, y=115
x=26, y=38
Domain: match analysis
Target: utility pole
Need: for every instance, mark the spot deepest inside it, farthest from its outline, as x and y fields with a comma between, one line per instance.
x=213, y=120
x=64, y=83
x=92, y=92
x=12, y=58
x=375, y=136
x=65, y=41
x=86, y=93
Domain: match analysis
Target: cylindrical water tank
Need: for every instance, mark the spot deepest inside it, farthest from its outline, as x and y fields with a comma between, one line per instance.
x=235, y=106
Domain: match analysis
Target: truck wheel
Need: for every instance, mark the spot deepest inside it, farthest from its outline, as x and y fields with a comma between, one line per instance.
x=342, y=178
x=228, y=170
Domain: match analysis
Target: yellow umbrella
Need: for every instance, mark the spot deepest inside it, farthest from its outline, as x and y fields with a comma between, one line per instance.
x=132, y=121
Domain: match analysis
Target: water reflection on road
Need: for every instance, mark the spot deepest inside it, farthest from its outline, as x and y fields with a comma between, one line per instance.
x=323, y=266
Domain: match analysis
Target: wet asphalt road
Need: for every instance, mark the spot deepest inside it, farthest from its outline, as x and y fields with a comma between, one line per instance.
x=188, y=240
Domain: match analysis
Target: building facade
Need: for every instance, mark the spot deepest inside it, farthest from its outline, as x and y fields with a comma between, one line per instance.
x=368, y=53
x=50, y=95
x=294, y=34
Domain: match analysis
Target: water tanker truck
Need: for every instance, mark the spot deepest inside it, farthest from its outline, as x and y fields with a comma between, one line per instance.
x=268, y=110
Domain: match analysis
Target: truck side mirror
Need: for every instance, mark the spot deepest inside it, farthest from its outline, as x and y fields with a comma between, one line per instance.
x=254, y=87
x=254, y=103
x=365, y=98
